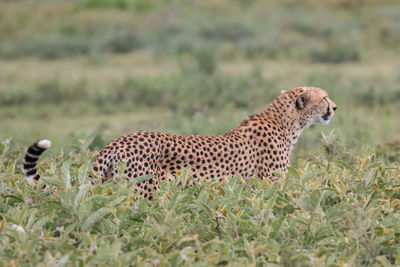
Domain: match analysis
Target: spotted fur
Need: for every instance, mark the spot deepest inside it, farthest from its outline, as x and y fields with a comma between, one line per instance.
x=259, y=146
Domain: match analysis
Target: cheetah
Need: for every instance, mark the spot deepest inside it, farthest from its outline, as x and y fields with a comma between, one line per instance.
x=259, y=146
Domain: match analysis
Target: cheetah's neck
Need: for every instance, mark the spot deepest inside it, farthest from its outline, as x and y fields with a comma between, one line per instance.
x=282, y=114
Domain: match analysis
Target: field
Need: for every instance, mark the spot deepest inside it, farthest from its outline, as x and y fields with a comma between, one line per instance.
x=81, y=73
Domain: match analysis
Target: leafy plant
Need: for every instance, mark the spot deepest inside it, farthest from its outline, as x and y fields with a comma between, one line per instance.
x=324, y=212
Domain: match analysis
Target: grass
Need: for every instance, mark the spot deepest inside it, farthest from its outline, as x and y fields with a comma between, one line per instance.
x=93, y=99
x=322, y=212
x=56, y=29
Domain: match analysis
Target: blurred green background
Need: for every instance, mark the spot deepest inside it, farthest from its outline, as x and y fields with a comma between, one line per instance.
x=74, y=69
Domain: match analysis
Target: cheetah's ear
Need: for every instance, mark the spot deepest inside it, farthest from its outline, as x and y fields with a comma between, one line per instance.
x=284, y=92
x=301, y=101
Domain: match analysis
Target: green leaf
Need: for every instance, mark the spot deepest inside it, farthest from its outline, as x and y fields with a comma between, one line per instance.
x=86, y=206
x=293, y=172
x=83, y=171
x=374, y=164
x=117, y=201
x=275, y=226
x=7, y=217
x=14, y=197
x=143, y=178
x=107, y=253
x=121, y=168
x=79, y=196
x=65, y=175
x=52, y=181
x=310, y=175
x=343, y=164
x=269, y=205
x=172, y=201
x=288, y=184
x=315, y=199
x=95, y=217
x=389, y=221
x=323, y=232
x=55, y=206
x=369, y=177
x=63, y=260
x=41, y=223
x=31, y=220
x=336, y=211
x=88, y=141
x=384, y=261
x=205, y=207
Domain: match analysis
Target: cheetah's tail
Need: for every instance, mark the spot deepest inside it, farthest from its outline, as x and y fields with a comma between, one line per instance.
x=30, y=160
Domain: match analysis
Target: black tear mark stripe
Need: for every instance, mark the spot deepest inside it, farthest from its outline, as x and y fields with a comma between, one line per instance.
x=328, y=112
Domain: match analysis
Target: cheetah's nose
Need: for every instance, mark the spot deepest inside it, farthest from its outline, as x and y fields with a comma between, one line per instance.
x=334, y=108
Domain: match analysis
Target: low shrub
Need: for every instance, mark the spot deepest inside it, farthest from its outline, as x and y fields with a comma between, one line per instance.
x=323, y=212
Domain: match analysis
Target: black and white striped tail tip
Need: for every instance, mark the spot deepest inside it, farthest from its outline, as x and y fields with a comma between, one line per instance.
x=44, y=144
x=30, y=160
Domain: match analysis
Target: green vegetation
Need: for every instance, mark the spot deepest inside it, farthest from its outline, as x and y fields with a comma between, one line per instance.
x=325, y=213
x=81, y=73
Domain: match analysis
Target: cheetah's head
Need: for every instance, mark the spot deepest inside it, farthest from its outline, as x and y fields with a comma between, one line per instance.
x=313, y=105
